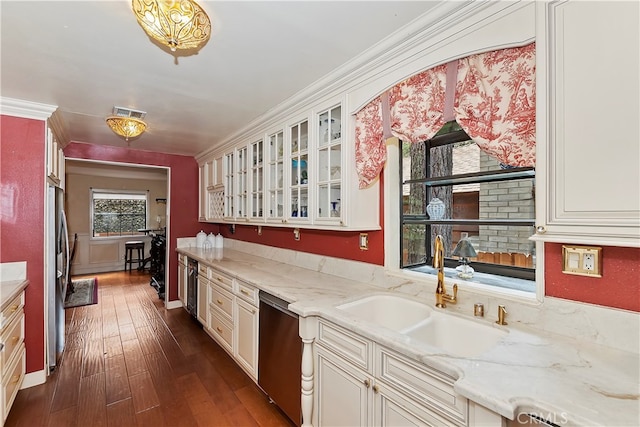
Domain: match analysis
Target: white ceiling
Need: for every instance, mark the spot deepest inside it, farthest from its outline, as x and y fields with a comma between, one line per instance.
x=87, y=56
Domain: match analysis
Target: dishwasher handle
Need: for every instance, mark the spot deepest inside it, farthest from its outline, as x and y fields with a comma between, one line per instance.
x=277, y=303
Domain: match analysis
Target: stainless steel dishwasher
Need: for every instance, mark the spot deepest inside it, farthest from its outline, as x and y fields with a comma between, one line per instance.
x=280, y=355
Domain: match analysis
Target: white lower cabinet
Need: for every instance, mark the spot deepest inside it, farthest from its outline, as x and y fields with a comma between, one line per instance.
x=246, y=337
x=342, y=391
x=358, y=382
x=232, y=321
x=182, y=278
x=203, y=300
x=12, y=353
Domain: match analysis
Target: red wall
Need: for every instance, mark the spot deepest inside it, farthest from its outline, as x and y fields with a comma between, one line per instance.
x=618, y=287
x=183, y=192
x=343, y=244
x=22, y=165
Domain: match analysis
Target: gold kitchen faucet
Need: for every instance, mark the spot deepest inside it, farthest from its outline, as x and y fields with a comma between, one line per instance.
x=442, y=297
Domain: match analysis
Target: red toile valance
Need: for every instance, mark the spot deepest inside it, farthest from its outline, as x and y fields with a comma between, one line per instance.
x=494, y=102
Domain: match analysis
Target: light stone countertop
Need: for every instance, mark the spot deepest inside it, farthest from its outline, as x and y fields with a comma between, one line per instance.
x=9, y=289
x=531, y=371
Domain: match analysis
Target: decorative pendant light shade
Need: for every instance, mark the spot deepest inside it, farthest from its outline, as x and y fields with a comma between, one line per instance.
x=126, y=127
x=178, y=24
x=126, y=122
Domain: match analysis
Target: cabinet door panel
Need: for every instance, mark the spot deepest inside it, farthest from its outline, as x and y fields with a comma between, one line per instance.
x=393, y=409
x=342, y=393
x=246, y=349
x=588, y=130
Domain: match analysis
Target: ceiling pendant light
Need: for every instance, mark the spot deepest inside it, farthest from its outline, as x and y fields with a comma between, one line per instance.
x=127, y=123
x=178, y=24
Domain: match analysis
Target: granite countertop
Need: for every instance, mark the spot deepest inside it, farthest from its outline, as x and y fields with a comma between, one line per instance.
x=532, y=371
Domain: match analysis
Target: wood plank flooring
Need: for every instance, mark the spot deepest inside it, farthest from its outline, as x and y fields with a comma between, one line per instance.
x=130, y=362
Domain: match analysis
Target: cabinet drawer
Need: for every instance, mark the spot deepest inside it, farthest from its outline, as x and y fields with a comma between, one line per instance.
x=12, y=310
x=247, y=293
x=204, y=270
x=222, y=302
x=428, y=386
x=351, y=346
x=221, y=330
x=221, y=279
x=12, y=337
x=12, y=380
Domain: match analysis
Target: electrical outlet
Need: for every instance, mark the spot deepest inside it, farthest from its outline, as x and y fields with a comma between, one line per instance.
x=588, y=261
x=582, y=260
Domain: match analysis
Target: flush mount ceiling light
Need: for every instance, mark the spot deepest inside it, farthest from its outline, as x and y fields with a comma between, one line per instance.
x=127, y=123
x=178, y=24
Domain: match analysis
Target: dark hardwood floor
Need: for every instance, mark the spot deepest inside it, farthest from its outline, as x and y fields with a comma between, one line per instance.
x=130, y=362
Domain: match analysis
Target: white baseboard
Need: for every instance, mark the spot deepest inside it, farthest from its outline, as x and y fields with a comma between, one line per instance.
x=173, y=304
x=34, y=378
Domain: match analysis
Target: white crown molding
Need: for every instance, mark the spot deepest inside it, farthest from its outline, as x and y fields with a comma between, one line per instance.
x=57, y=126
x=26, y=109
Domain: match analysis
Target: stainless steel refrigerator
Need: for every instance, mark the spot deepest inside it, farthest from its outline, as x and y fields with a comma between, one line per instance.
x=57, y=243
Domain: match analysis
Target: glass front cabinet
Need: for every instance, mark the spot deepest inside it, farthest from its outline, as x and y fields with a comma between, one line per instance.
x=299, y=174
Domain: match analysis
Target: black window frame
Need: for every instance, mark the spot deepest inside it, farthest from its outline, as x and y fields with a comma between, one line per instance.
x=450, y=137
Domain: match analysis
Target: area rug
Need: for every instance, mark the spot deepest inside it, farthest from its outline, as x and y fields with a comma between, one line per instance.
x=83, y=292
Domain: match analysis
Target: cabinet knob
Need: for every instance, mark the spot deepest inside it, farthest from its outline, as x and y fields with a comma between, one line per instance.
x=219, y=302
x=219, y=329
x=367, y=383
x=244, y=292
x=376, y=389
x=541, y=229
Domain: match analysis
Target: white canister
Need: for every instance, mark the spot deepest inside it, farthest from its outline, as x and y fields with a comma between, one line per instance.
x=211, y=241
x=219, y=241
x=201, y=237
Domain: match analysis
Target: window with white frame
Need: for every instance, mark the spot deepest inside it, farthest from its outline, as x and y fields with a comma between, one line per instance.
x=118, y=213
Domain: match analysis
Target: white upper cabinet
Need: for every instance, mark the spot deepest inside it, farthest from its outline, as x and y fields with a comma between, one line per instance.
x=56, y=141
x=328, y=166
x=294, y=176
x=275, y=172
x=256, y=174
x=211, y=189
x=297, y=163
x=588, y=62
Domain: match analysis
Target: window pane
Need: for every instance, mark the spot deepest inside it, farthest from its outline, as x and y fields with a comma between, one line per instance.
x=118, y=214
x=413, y=244
x=504, y=245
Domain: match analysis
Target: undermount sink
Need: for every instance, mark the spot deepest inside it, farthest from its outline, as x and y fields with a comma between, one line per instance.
x=456, y=336
x=388, y=311
x=420, y=322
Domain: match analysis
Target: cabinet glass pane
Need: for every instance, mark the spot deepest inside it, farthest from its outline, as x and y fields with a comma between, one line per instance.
x=276, y=175
x=229, y=188
x=242, y=183
x=329, y=166
x=257, y=171
x=329, y=200
x=299, y=164
x=329, y=126
x=299, y=202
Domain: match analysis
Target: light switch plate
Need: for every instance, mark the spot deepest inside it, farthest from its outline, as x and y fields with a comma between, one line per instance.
x=582, y=260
